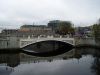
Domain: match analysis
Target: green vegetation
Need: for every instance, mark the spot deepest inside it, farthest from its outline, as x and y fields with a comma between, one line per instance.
x=65, y=27
x=96, y=30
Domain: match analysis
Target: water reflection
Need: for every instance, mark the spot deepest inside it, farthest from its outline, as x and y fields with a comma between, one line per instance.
x=84, y=61
x=11, y=60
x=96, y=64
x=97, y=40
x=8, y=62
x=47, y=48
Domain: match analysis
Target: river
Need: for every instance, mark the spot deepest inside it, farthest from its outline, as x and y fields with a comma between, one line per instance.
x=77, y=61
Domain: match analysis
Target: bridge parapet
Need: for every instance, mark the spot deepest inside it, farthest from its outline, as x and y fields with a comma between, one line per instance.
x=48, y=36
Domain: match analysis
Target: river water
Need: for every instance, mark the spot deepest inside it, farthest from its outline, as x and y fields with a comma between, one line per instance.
x=84, y=61
x=78, y=61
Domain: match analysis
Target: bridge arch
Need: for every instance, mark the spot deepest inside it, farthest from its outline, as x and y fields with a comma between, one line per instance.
x=47, y=48
x=29, y=42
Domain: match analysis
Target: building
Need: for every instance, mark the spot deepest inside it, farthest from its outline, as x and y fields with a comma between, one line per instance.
x=9, y=31
x=54, y=24
x=61, y=27
x=84, y=31
x=36, y=29
x=27, y=30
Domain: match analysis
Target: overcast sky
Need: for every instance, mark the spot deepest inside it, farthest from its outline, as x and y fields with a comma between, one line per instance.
x=14, y=13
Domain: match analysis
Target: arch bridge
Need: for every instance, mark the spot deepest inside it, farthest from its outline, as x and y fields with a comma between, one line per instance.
x=27, y=41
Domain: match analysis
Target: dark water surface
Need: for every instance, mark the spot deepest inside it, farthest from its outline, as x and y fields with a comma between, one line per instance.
x=84, y=61
x=47, y=48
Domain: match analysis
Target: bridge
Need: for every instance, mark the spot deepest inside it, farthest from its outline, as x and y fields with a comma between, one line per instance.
x=30, y=40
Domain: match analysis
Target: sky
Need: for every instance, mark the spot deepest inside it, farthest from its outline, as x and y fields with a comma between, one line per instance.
x=14, y=13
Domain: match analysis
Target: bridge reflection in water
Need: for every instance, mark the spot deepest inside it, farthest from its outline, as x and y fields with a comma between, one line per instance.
x=47, y=48
x=15, y=63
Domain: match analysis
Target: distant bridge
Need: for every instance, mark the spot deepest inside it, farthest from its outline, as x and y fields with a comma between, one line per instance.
x=27, y=41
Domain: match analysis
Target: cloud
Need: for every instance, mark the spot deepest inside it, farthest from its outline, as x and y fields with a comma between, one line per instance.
x=18, y=12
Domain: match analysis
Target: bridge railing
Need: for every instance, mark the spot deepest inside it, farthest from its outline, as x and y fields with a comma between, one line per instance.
x=49, y=36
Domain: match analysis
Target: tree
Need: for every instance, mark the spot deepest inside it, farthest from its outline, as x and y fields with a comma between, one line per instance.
x=96, y=30
x=65, y=27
